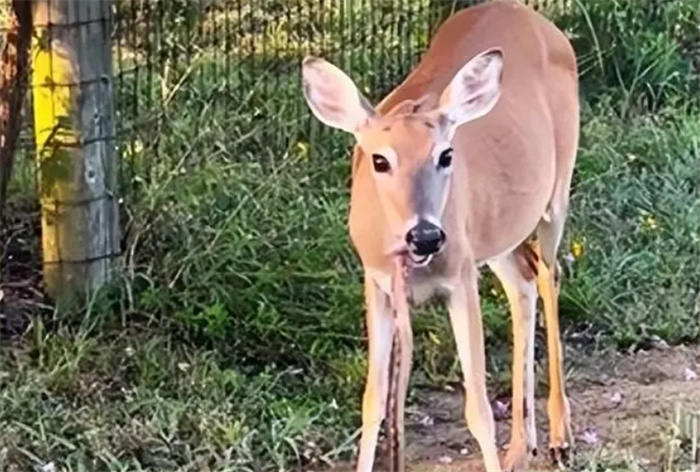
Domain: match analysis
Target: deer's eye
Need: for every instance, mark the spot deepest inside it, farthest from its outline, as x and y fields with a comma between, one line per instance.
x=380, y=163
x=445, y=159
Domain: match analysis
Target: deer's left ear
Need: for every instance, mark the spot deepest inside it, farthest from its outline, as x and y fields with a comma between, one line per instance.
x=332, y=96
x=474, y=90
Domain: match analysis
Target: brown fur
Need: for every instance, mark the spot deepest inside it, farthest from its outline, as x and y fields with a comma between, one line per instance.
x=506, y=163
x=506, y=204
x=511, y=178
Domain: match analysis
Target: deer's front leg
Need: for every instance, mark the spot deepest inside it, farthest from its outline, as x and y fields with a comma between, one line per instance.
x=380, y=331
x=403, y=354
x=465, y=316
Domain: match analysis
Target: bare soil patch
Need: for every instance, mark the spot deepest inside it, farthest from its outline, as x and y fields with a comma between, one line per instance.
x=622, y=406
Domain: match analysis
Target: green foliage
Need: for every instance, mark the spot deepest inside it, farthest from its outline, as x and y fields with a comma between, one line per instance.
x=636, y=50
x=635, y=208
x=150, y=402
x=252, y=237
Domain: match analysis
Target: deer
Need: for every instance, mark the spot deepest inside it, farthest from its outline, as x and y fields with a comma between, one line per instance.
x=466, y=164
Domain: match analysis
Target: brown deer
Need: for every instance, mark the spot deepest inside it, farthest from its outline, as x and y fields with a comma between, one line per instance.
x=467, y=163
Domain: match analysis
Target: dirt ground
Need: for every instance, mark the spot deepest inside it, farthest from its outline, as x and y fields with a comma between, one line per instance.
x=623, y=406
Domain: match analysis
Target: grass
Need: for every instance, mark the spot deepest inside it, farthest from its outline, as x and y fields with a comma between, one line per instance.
x=678, y=437
x=235, y=339
x=640, y=236
x=150, y=402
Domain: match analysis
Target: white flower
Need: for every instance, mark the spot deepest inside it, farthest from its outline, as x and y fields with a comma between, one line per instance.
x=690, y=375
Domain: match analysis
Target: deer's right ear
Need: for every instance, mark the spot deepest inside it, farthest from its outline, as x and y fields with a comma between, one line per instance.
x=332, y=96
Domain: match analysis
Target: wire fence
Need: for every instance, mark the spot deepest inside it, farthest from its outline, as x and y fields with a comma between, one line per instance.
x=181, y=66
x=237, y=62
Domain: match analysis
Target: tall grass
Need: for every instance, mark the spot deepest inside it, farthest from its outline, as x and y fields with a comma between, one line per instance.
x=247, y=206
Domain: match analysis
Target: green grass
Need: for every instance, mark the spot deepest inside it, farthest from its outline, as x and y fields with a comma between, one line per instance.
x=149, y=402
x=635, y=206
x=235, y=339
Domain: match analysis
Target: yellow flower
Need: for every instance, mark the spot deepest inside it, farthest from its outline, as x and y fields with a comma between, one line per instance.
x=577, y=249
x=303, y=148
x=650, y=222
x=133, y=150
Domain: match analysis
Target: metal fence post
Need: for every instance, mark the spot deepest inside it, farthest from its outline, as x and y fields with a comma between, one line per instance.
x=74, y=133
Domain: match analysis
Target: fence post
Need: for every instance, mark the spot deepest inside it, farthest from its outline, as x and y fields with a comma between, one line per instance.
x=74, y=132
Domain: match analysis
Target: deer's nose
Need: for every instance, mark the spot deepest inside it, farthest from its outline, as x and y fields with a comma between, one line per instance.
x=425, y=238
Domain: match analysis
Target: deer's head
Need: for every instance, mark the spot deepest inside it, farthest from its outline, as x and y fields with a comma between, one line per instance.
x=410, y=147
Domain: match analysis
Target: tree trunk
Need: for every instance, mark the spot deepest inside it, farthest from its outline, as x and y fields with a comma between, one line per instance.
x=14, y=59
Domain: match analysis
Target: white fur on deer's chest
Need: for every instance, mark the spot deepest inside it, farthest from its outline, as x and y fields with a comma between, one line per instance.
x=421, y=286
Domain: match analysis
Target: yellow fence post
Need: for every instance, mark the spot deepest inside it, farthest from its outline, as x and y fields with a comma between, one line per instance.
x=74, y=132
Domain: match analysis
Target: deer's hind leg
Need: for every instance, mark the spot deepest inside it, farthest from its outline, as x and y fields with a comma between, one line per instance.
x=517, y=272
x=549, y=234
x=563, y=99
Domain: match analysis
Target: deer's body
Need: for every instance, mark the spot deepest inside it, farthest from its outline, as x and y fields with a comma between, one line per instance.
x=508, y=159
x=497, y=90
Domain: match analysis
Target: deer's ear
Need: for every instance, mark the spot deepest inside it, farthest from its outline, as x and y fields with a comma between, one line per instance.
x=332, y=96
x=475, y=89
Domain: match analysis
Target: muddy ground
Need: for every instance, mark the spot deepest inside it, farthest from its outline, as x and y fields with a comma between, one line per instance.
x=623, y=409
